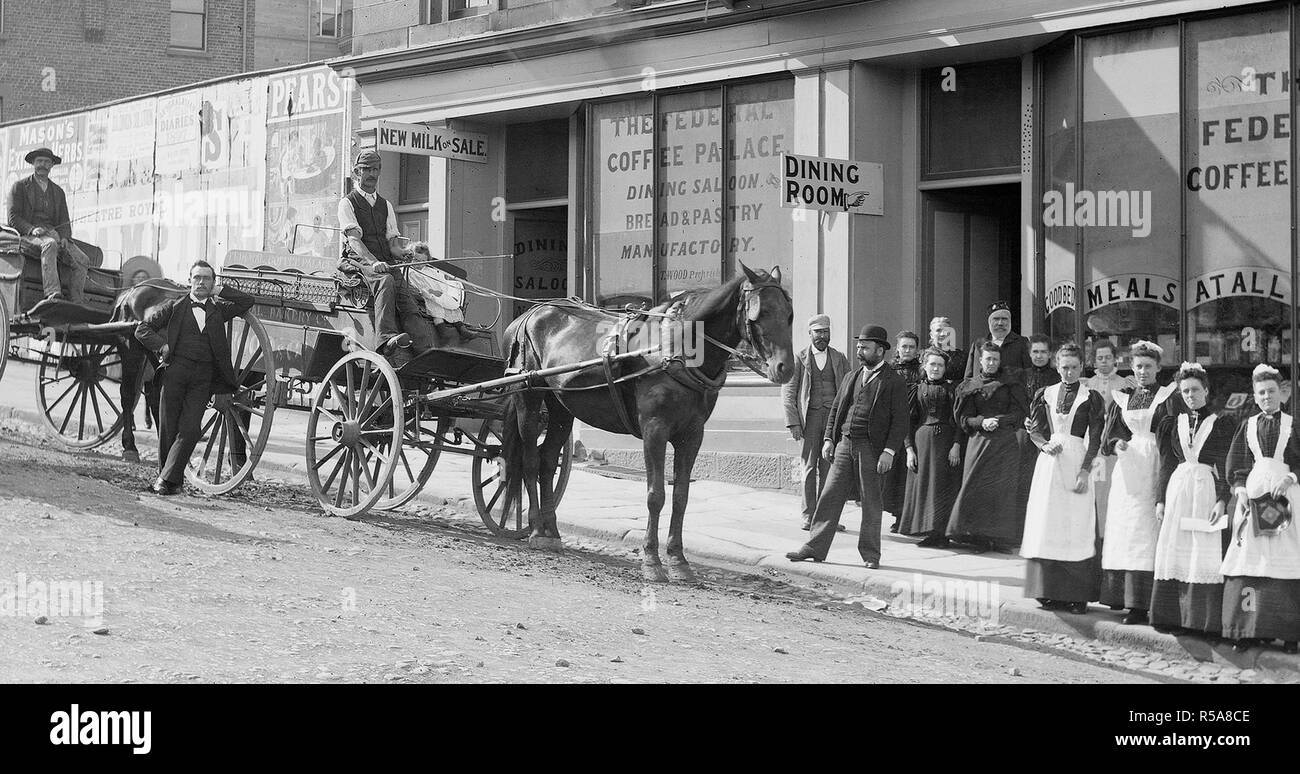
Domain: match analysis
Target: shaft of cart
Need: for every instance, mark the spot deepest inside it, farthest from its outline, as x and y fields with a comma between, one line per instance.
x=523, y=378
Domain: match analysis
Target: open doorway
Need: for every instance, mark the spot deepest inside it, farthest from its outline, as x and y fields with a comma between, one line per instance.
x=971, y=255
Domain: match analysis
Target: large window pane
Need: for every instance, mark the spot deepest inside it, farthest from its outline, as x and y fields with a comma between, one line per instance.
x=690, y=190
x=1237, y=135
x=187, y=30
x=1058, y=125
x=759, y=233
x=972, y=116
x=622, y=206
x=1127, y=211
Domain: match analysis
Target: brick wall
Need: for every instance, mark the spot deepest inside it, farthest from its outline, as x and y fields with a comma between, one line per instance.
x=129, y=56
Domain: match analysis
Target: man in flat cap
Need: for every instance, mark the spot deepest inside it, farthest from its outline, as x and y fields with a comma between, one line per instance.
x=38, y=209
x=807, y=398
x=868, y=423
x=369, y=225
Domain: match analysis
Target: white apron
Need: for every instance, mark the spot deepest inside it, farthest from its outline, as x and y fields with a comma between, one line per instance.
x=1060, y=524
x=1273, y=555
x=1189, y=548
x=1131, y=526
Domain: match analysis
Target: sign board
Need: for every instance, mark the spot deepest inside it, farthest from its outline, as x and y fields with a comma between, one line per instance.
x=431, y=141
x=834, y=185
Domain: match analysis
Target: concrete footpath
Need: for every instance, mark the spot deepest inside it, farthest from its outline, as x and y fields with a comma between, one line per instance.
x=753, y=528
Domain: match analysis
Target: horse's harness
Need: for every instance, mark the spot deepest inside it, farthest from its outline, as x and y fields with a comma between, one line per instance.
x=674, y=364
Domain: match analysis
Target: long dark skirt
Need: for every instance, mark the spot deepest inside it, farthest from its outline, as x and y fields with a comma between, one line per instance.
x=1264, y=608
x=1197, y=606
x=986, y=505
x=932, y=489
x=1062, y=581
x=1127, y=588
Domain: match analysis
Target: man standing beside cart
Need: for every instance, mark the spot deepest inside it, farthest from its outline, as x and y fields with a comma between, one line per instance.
x=369, y=225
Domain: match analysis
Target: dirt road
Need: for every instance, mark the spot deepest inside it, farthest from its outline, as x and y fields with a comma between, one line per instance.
x=260, y=586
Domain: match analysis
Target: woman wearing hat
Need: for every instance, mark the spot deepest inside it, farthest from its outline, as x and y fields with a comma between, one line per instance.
x=990, y=408
x=38, y=209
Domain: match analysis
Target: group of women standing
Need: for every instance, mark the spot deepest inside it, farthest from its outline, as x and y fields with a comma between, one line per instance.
x=1171, y=552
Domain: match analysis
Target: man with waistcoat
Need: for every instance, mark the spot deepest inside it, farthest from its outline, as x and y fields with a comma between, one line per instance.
x=369, y=225
x=864, y=434
x=189, y=336
x=807, y=399
x=38, y=209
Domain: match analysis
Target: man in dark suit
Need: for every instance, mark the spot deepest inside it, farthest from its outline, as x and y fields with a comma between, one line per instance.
x=865, y=432
x=38, y=209
x=1015, y=348
x=807, y=399
x=189, y=336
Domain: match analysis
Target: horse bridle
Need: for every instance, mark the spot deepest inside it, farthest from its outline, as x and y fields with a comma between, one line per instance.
x=750, y=333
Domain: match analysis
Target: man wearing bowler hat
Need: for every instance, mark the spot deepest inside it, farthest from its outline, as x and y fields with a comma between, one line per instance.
x=38, y=209
x=807, y=399
x=864, y=434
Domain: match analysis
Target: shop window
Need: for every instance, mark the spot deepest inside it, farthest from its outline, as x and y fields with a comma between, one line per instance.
x=1238, y=191
x=622, y=201
x=1059, y=164
x=690, y=190
x=678, y=214
x=1126, y=210
x=971, y=119
x=759, y=233
x=413, y=179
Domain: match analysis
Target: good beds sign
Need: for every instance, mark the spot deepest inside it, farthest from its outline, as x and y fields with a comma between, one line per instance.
x=835, y=185
x=431, y=141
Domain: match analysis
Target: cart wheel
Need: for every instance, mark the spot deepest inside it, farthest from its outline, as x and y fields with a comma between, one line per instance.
x=4, y=334
x=349, y=443
x=501, y=510
x=78, y=389
x=237, y=426
x=416, y=458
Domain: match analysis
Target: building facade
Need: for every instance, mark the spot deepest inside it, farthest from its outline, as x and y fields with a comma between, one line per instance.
x=1119, y=170
x=57, y=57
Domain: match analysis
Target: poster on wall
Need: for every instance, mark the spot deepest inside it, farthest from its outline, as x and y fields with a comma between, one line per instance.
x=306, y=148
x=177, y=135
x=65, y=136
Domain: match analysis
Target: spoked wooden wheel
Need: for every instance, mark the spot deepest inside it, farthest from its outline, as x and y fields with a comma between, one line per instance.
x=78, y=389
x=421, y=445
x=500, y=507
x=353, y=427
x=236, y=426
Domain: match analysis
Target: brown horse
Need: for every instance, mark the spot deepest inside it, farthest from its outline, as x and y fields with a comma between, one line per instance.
x=664, y=400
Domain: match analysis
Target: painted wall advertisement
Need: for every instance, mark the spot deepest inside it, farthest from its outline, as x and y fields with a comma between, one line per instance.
x=162, y=181
x=306, y=131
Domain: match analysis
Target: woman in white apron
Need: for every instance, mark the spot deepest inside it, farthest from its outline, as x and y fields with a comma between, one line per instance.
x=1261, y=590
x=1193, y=498
x=1128, y=552
x=1060, y=539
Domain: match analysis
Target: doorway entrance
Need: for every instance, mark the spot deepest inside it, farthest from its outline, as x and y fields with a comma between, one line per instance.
x=539, y=241
x=971, y=255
